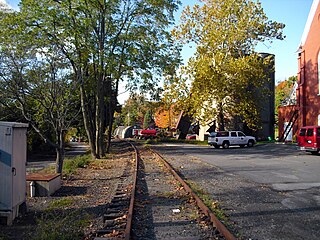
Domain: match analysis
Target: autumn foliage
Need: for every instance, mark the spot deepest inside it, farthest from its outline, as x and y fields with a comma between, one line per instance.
x=166, y=118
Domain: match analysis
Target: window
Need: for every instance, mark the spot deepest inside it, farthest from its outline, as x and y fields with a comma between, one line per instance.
x=302, y=132
x=318, y=132
x=310, y=132
x=223, y=134
x=241, y=134
x=233, y=134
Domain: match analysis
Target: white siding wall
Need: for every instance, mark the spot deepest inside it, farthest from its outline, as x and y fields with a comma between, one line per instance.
x=13, y=146
x=5, y=168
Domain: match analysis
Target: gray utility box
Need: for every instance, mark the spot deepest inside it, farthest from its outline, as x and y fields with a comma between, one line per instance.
x=13, y=158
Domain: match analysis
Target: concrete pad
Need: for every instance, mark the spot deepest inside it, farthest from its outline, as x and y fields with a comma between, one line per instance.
x=293, y=186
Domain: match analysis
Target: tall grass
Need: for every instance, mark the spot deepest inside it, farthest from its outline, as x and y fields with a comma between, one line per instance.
x=62, y=225
x=71, y=164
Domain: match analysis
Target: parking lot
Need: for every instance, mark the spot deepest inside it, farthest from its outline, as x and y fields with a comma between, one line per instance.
x=271, y=191
x=283, y=167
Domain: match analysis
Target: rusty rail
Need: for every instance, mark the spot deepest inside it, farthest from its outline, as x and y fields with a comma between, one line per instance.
x=132, y=199
x=220, y=226
x=129, y=219
x=118, y=217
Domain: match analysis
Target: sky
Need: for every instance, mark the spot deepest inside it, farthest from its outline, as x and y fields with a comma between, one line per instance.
x=293, y=13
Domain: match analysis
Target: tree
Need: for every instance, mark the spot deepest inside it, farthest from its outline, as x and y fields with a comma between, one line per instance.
x=36, y=80
x=162, y=118
x=106, y=42
x=133, y=111
x=137, y=110
x=166, y=117
x=226, y=71
x=148, y=119
x=283, y=91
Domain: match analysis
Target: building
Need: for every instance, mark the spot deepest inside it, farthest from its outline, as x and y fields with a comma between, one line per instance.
x=305, y=111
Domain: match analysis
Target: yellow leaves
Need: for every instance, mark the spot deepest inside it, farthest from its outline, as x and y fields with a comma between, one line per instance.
x=179, y=188
x=166, y=117
x=215, y=205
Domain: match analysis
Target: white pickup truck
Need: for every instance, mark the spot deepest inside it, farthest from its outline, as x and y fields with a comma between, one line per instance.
x=229, y=138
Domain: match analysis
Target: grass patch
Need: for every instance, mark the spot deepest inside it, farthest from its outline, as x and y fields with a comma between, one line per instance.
x=3, y=237
x=60, y=203
x=48, y=170
x=71, y=164
x=265, y=142
x=208, y=201
x=61, y=225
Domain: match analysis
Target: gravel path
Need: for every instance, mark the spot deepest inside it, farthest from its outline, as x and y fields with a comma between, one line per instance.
x=163, y=209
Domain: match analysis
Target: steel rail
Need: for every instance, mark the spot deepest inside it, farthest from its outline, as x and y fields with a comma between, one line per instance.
x=127, y=234
x=128, y=209
x=219, y=225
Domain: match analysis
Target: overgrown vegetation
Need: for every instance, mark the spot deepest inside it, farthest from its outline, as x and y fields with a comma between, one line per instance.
x=208, y=201
x=60, y=57
x=71, y=164
x=62, y=225
x=60, y=203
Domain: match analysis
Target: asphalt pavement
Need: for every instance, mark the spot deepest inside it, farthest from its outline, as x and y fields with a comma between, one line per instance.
x=270, y=191
x=40, y=161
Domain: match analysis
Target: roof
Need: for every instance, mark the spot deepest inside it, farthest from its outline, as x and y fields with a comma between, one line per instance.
x=312, y=126
x=309, y=21
x=14, y=124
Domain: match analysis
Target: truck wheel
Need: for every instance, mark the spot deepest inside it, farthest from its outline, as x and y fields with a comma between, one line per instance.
x=250, y=143
x=225, y=144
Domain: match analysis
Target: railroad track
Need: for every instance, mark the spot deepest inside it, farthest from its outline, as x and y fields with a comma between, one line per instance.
x=157, y=204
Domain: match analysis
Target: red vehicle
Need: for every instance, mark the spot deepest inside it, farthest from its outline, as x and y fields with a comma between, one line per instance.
x=309, y=139
x=148, y=133
x=191, y=136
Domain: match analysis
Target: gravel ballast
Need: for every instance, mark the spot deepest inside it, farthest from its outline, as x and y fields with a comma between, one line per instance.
x=163, y=209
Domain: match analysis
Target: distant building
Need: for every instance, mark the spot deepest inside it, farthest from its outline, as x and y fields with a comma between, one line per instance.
x=267, y=112
x=305, y=110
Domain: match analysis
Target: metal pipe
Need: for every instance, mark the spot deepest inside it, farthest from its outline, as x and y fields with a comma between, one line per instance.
x=32, y=189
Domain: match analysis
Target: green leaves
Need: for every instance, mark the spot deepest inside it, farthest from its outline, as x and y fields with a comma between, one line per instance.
x=225, y=70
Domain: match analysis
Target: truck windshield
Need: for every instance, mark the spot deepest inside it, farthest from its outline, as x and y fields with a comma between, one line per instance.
x=310, y=132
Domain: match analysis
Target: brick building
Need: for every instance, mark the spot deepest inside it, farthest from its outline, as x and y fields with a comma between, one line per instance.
x=305, y=111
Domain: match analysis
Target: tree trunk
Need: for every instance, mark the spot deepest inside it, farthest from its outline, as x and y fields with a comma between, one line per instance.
x=100, y=118
x=60, y=152
x=111, y=118
x=220, y=117
x=87, y=119
x=112, y=108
